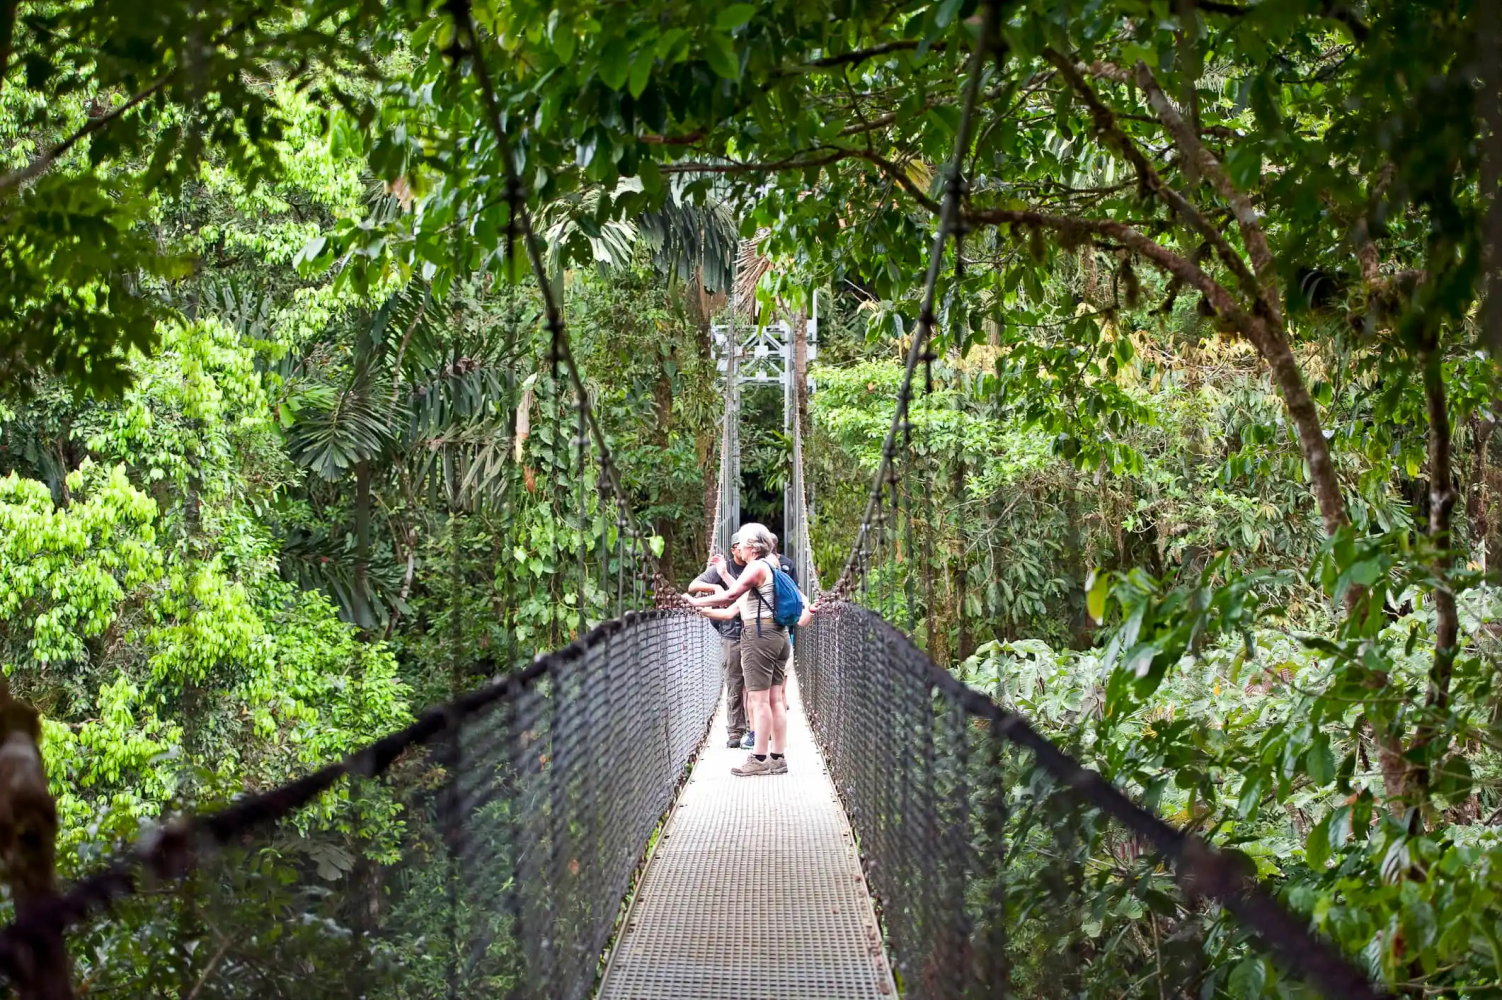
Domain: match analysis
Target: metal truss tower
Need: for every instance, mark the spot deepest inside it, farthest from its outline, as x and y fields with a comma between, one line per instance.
x=762, y=355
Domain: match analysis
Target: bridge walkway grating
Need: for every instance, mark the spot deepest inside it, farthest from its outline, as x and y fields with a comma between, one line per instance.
x=699, y=928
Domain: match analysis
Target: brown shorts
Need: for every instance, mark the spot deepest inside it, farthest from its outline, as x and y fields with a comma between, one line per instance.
x=764, y=658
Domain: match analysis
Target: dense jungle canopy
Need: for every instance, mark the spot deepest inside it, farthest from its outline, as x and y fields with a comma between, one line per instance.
x=1209, y=484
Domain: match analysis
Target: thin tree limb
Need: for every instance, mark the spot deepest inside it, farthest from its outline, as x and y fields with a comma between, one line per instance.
x=1268, y=338
x=43, y=163
x=874, y=52
x=700, y=167
x=882, y=120
x=899, y=175
x=1253, y=236
x=687, y=139
x=1476, y=515
x=1152, y=181
x=1441, y=507
x=827, y=158
x=464, y=23
x=1358, y=28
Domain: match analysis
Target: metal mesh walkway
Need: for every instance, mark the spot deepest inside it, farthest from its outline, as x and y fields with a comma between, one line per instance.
x=755, y=890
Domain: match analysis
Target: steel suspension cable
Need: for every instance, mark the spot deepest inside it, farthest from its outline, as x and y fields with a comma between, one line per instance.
x=949, y=224
x=463, y=16
x=1201, y=869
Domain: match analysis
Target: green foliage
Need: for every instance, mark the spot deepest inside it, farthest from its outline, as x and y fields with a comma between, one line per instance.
x=1229, y=687
x=340, y=468
x=106, y=111
x=1254, y=740
x=155, y=584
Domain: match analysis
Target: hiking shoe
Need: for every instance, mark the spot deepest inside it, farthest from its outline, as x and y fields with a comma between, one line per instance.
x=778, y=766
x=753, y=767
x=748, y=741
x=735, y=742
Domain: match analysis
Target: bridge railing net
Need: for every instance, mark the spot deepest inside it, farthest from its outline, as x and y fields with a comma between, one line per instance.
x=996, y=866
x=486, y=851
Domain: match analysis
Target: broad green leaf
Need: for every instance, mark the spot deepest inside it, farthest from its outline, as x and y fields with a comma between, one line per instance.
x=668, y=41
x=1245, y=165
x=641, y=72
x=615, y=63
x=564, y=40
x=1317, y=844
x=720, y=51
x=1248, y=979
x=1097, y=587
x=732, y=17
x=1319, y=762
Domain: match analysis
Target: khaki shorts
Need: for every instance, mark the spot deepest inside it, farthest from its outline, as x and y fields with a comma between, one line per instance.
x=764, y=658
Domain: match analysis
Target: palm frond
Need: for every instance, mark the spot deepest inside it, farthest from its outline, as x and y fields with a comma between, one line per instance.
x=462, y=393
x=690, y=239
x=242, y=308
x=324, y=559
x=573, y=234
x=336, y=428
x=750, y=268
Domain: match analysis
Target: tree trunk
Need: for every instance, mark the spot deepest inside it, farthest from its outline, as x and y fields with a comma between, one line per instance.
x=1489, y=48
x=962, y=643
x=28, y=843
x=711, y=506
x=362, y=610
x=1476, y=519
x=800, y=370
x=662, y=395
x=701, y=305
x=1441, y=504
x=1305, y=416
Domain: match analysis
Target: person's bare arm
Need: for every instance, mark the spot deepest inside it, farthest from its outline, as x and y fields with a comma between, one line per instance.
x=700, y=587
x=808, y=609
x=751, y=576
x=723, y=614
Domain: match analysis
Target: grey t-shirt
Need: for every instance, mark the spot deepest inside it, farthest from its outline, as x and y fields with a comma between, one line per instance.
x=732, y=628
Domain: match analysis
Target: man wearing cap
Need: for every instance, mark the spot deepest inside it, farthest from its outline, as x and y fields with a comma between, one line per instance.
x=715, y=579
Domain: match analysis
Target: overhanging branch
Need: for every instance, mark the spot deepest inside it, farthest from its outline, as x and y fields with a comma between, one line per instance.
x=1252, y=234
x=1152, y=181
x=761, y=167
x=43, y=163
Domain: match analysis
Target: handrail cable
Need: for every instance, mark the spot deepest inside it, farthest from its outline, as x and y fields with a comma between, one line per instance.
x=170, y=850
x=949, y=223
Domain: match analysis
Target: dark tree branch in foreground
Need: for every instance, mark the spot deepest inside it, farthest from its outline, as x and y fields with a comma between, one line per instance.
x=8, y=10
x=874, y=52
x=1151, y=181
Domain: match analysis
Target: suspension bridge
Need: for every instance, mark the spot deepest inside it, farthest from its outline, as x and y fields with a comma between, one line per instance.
x=571, y=830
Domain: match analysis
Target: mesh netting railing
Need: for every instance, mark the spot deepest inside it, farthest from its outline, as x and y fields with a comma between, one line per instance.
x=1004, y=868
x=485, y=850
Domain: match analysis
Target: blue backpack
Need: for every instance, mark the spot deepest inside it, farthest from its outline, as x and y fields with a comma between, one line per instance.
x=787, y=603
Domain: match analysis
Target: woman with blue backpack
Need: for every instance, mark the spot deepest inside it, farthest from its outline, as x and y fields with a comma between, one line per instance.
x=768, y=603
